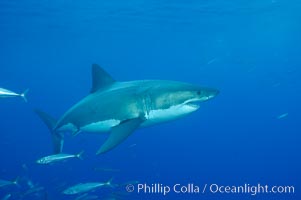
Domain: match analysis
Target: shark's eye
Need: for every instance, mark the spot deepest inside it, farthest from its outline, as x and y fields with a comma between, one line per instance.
x=198, y=92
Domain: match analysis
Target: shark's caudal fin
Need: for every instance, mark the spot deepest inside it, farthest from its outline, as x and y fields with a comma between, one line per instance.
x=119, y=133
x=23, y=95
x=100, y=78
x=57, y=139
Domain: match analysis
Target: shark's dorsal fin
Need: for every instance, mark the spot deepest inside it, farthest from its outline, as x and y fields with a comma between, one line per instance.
x=100, y=78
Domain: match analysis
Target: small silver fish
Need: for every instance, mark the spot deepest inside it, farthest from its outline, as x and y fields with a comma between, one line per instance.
x=4, y=183
x=82, y=196
x=86, y=187
x=131, y=146
x=34, y=190
x=212, y=61
x=58, y=157
x=6, y=197
x=282, y=116
x=4, y=93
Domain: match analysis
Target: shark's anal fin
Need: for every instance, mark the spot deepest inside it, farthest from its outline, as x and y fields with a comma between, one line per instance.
x=57, y=138
x=119, y=133
x=100, y=78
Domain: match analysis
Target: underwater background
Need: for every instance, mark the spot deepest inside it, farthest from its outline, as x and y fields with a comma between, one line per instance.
x=249, y=134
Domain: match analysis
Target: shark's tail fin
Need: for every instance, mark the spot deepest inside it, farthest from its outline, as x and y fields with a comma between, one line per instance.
x=57, y=138
x=23, y=95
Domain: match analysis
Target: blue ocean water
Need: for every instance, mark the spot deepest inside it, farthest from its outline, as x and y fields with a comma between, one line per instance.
x=248, y=134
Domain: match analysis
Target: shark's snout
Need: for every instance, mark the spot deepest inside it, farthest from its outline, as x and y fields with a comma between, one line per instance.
x=208, y=93
x=213, y=93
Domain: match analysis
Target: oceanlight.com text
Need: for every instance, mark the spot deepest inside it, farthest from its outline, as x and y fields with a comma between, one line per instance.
x=251, y=189
x=192, y=188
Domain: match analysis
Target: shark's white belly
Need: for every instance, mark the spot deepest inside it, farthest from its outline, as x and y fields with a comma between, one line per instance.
x=164, y=115
x=152, y=117
x=101, y=126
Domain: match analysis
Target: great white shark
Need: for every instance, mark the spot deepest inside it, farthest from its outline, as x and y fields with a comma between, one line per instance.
x=122, y=107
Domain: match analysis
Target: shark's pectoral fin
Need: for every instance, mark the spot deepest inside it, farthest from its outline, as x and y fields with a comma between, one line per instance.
x=119, y=133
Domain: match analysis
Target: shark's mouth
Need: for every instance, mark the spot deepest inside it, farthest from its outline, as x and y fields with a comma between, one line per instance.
x=193, y=103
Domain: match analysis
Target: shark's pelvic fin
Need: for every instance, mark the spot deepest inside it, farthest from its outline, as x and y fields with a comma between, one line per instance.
x=57, y=138
x=100, y=78
x=119, y=133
